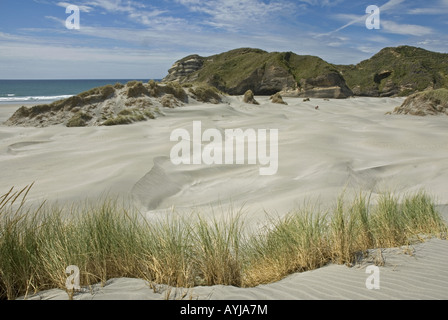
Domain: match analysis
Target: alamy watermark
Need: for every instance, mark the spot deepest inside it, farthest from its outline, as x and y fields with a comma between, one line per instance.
x=373, y=21
x=73, y=21
x=73, y=281
x=373, y=280
x=226, y=148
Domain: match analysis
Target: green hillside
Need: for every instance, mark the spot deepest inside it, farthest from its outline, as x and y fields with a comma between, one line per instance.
x=398, y=71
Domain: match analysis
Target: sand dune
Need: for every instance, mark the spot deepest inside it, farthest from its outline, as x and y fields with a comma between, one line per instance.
x=345, y=144
x=422, y=274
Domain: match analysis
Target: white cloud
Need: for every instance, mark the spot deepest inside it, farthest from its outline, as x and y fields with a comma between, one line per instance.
x=387, y=8
x=116, y=5
x=390, y=5
x=323, y=3
x=405, y=29
x=439, y=8
x=235, y=14
x=81, y=7
x=55, y=61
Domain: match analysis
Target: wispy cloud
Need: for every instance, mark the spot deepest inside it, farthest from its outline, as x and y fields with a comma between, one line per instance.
x=235, y=14
x=387, y=8
x=405, y=29
x=432, y=8
x=323, y=3
x=81, y=7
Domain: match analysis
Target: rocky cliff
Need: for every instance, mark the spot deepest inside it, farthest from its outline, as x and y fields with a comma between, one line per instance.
x=182, y=69
x=237, y=71
x=397, y=71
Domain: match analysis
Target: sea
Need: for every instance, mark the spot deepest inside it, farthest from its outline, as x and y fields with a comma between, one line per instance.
x=36, y=91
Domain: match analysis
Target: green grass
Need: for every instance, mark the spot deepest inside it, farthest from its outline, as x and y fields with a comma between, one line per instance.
x=230, y=70
x=129, y=115
x=109, y=239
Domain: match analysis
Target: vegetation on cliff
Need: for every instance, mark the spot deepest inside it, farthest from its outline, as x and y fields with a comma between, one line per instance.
x=398, y=71
x=430, y=102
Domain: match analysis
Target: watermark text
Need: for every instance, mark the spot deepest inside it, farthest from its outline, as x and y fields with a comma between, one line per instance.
x=373, y=21
x=226, y=148
x=73, y=21
x=373, y=280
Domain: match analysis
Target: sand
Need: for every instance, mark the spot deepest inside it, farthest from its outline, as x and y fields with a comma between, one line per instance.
x=345, y=144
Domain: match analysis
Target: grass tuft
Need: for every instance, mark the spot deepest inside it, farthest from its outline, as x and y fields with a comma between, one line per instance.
x=109, y=239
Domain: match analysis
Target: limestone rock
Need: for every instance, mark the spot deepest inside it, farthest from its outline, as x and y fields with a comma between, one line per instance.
x=277, y=98
x=183, y=69
x=330, y=85
x=249, y=97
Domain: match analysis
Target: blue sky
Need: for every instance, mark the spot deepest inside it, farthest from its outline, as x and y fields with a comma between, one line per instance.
x=123, y=39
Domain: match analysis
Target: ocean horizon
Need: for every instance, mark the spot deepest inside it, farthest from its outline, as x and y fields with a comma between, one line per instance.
x=31, y=91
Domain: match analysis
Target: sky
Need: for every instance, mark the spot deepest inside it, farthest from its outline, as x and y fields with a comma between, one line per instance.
x=136, y=39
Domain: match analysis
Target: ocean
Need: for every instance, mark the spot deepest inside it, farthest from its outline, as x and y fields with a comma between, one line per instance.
x=19, y=91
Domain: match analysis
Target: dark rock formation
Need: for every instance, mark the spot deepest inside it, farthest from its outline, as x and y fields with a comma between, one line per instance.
x=249, y=97
x=277, y=98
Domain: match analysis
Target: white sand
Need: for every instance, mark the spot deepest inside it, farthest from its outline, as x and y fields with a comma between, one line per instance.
x=348, y=144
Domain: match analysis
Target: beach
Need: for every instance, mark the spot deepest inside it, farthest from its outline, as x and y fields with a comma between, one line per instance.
x=347, y=145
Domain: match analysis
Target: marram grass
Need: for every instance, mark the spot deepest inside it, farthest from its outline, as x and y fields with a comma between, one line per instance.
x=109, y=240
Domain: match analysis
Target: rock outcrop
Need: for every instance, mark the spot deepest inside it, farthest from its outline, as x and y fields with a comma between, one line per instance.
x=330, y=85
x=278, y=99
x=182, y=70
x=427, y=103
x=249, y=98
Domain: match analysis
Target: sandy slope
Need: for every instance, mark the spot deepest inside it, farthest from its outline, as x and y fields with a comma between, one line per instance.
x=348, y=144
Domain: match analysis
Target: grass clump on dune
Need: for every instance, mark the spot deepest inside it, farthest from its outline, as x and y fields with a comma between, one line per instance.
x=175, y=89
x=206, y=93
x=107, y=239
x=127, y=116
x=80, y=119
x=136, y=89
x=295, y=243
x=307, y=240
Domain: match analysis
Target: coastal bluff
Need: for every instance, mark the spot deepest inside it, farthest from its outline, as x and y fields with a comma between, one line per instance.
x=392, y=72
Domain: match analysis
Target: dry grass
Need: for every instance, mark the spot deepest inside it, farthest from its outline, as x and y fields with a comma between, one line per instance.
x=308, y=239
x=108, y=239
x=206, y=93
